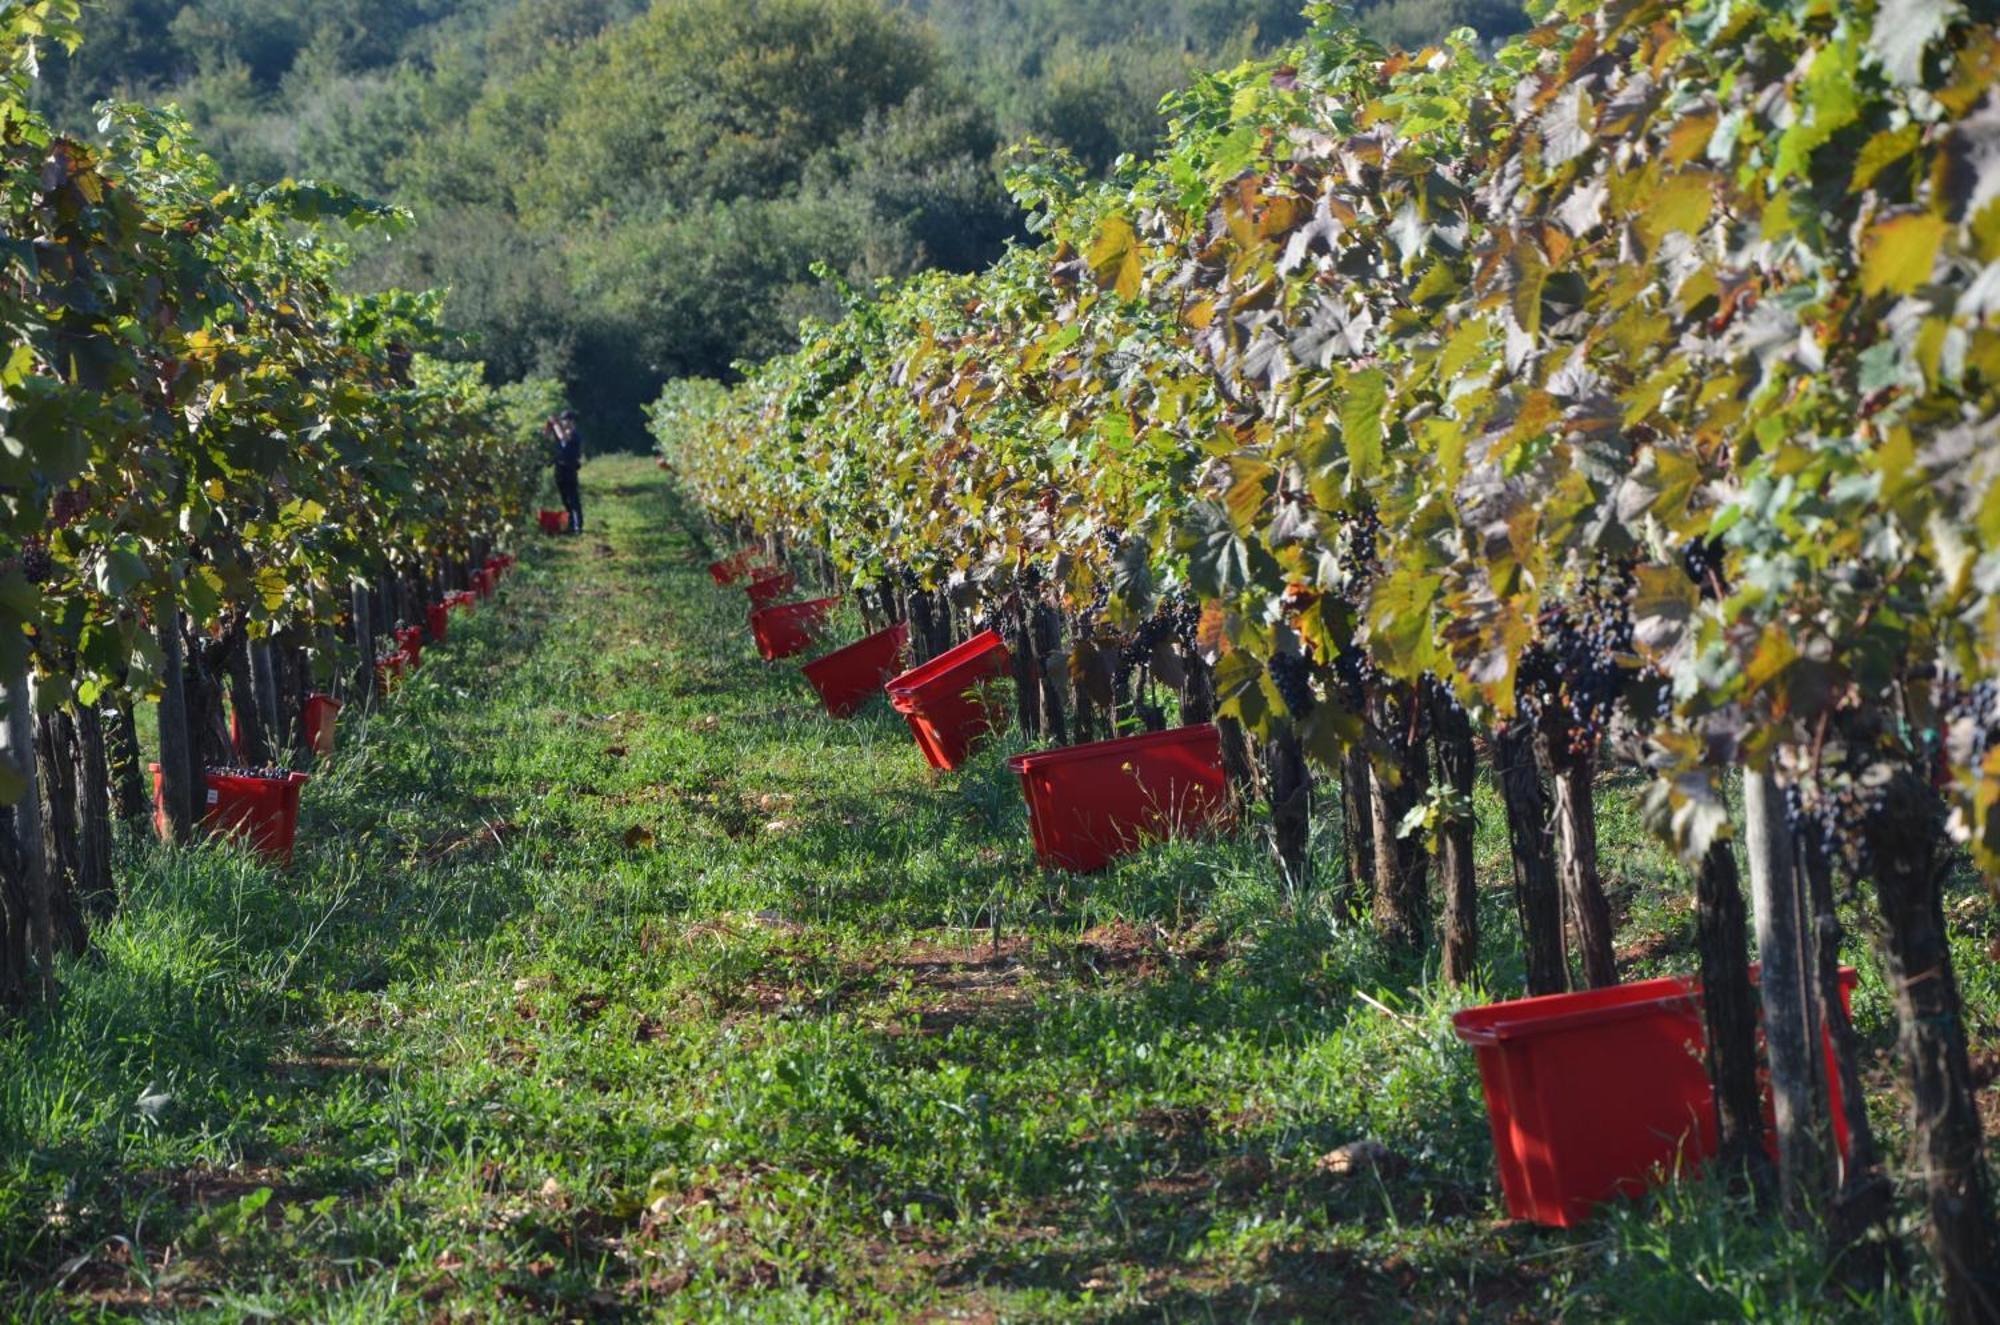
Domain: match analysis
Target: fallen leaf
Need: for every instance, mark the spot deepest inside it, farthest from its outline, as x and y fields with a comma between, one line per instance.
x=638, y=835
x=1357, y=1156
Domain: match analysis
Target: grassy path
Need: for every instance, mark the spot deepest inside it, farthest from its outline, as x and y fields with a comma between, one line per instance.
x=618, y=983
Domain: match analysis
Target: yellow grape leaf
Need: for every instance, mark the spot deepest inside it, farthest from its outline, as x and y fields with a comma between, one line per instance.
x=1897, y=255
x=1680, y=203
x=1885, y=149
x=271, y=587
x=1114, y=257
x=1773, y=655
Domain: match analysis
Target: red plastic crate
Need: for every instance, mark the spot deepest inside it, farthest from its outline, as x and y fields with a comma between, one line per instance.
x=789, y=628
x=320, y=712
x=1090, y=803
x=1592, y=1095
x=389, y=671
x=846, y=677
x=411, y=638
x=731, y=569
x=262, y=811
x=769, y=589
x=553, y=522
x=948, y=700
x=436, y=621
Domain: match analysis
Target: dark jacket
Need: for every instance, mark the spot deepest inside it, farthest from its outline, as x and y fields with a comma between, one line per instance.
x=569, y=445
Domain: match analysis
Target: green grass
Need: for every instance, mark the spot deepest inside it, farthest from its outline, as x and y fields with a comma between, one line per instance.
x=613, y=981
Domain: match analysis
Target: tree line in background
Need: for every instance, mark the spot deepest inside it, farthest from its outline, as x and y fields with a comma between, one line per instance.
x=225, y=479
x=617, y=195
x=1624, y=401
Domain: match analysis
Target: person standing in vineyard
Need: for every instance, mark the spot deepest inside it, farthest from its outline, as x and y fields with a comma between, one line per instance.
x=562, y=431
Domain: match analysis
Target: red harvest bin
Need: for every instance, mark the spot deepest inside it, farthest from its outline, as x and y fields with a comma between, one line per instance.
x=1089, y=803
x=769, y=589
x=946, y=699
x=730, y=569
x=846, y=677
x=483, y=581
x=553, y=522
x=1592, y=1095
x=436, y=621
x=389, y=671
x=411, y=638
x=320, y=711
x=789, y=628
x=261, y=811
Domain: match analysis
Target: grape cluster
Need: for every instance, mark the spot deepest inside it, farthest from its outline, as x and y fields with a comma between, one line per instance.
x=1154, y=631
x=67, y=505
x=1359, y=552
x=262, y=772
x=1573, y=673
x=35, y=563
x=1356, y=674
x=1292, y=675
x=999, y=614
x=1834, y=812
x=1701, y=559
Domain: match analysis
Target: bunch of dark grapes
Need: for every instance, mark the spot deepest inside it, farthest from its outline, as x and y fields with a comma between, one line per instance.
x=1110, y=538
x=1292, y=675
x=1360, y=546
x=1184, y=610
x=1029, y=577
x=1701, y=558
x=1573, y=673
x=1833, y=812
x=988, y=617
x=1356, y=674
x=1152, y=632
x=35, y=562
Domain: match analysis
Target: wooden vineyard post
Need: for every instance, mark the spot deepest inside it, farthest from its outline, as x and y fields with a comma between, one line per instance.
x=177, y=790
x=1290, y=791
x=1905, y=839
x=1729, y=1013
x=1537, y=891
x=1402, y=866
x=1576, y=865
x=1458, y=768
x=17, y=692
x=362, y=615
x=1785, y=988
